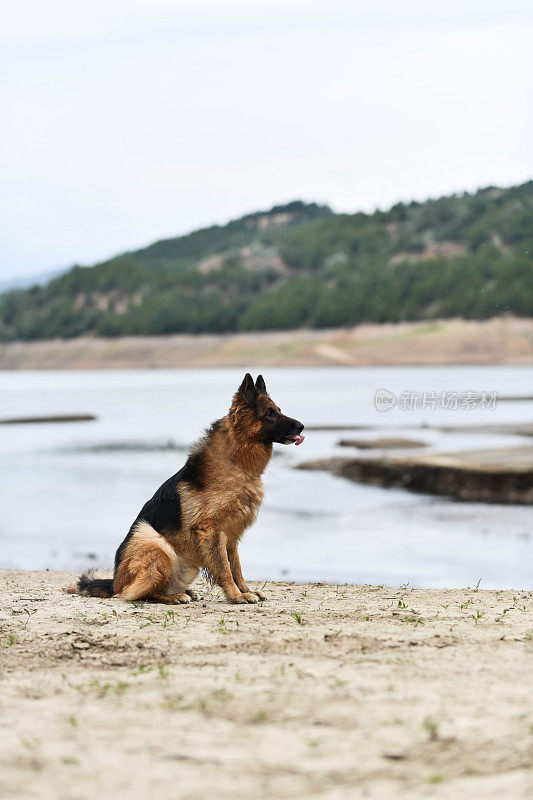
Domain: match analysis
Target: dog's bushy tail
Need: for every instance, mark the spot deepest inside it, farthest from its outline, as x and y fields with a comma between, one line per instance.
x=89, y=584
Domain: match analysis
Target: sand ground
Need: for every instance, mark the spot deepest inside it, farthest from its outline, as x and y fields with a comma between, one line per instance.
x=322, y=692
x=502, y=340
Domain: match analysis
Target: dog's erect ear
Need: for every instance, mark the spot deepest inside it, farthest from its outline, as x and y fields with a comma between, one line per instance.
x=260, y=385
x=247, y=388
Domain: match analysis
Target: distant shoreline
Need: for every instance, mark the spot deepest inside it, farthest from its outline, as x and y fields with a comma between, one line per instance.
x=501, y=340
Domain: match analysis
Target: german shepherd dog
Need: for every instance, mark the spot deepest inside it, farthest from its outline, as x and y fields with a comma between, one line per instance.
x=196, y=519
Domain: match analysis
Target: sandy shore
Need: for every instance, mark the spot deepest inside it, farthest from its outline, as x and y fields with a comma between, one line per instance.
x=321, y=692
x=502, y=340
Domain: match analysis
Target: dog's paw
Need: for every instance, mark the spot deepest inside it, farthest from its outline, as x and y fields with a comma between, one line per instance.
x=171, y=599
x=238, y=599
x=260, y=595
x=192, y=594
x=251, y=597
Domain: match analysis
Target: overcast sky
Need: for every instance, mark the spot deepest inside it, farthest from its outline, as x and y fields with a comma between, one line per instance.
x=125, y=122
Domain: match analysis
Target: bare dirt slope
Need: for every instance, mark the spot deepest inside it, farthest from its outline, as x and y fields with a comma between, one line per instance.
x=502, y=340
x=322, y=692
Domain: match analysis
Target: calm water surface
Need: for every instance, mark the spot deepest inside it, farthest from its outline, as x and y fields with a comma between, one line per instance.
x=71, y=491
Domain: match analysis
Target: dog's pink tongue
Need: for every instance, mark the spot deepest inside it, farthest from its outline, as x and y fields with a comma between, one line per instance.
x=298, y=439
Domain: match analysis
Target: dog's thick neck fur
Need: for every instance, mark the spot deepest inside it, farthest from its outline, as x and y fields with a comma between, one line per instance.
x=236, y=440
x=243, y=432
x=251, y=455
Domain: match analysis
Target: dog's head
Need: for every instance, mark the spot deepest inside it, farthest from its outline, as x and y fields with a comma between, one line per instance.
x=265, y=417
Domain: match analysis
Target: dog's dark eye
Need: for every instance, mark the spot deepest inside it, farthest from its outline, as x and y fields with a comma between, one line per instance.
x=270, y=414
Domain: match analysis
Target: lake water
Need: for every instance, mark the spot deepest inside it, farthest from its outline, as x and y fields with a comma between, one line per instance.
x=71, y=491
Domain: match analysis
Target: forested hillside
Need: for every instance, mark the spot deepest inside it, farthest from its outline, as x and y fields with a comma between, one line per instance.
x=296, y=265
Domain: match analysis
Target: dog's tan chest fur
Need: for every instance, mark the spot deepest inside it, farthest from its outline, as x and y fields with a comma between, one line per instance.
x=231, y=505
x=239, y=506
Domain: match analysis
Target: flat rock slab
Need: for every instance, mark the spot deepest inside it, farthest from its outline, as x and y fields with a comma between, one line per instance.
x=502, y=475
x=383, y=443
x=323, y=693
x=511, y=429
x=518, y=429
x=53, y=418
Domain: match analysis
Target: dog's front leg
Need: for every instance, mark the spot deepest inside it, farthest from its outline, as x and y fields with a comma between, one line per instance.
x=214, y=554
x=236, y=571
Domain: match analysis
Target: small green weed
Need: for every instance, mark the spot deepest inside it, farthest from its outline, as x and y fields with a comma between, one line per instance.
x=299, y=619
x=259, y=717
x=102, y=689
x=431, y=725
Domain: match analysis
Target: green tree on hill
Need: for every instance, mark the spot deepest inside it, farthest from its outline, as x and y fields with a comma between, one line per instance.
x=300, y=265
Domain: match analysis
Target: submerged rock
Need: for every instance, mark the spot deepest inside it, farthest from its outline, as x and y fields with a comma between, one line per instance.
x=385, y=443
x=486, y=476
x=51, y=418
